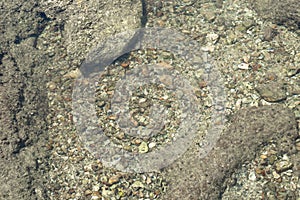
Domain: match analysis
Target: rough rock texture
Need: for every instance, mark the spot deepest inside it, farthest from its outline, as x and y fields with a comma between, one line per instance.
x=23, y=101
x=280, y=12
x=192, y=178
x=25, y=58
x=272, y=92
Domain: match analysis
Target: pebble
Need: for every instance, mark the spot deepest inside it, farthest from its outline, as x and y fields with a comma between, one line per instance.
x=272, y=92
x=276, y=175
x=209, y=15
x=269, y=33
x=272, y=159
x=125, y=64
x=283, y=166
x=51, y=86
x=243, y=66
x=263, y=156
x=114, y=179
x=208, y=48
x=252, y=176
x=143, y=148
x=73, y=74
x=138, y=184
x=88, y=192
x=106, y=192
x=96, y=195
x=152, y=144
x=212, y=37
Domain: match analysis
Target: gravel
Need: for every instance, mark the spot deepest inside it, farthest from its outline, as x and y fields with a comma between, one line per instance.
x=257, y=155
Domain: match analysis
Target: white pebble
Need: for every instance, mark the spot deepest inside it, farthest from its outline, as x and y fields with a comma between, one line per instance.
x=243, y=66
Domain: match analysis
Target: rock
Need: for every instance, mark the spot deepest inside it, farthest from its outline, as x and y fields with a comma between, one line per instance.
x=283, y=166
x=96, y=195
x=152, y=144
x=88, y=192
x=275, y=175
x=192, y=178
x=280, y=12
x=143, y=148
x=138, y=184
x=269, y=33
x=252, y=176
x=244, y=66
x=73, y=74
x=272, y=92
x=114, y=179
x=23, y=102
x=51, y=86
x=209, y=15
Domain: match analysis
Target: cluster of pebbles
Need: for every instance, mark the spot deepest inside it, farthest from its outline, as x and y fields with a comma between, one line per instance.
x=259, y=62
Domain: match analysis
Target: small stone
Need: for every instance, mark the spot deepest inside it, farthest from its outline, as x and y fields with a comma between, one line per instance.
x=137, y=141
x=247, y=58
x=73, y=74
x=148, y=180
x=243, y=66
x=152, y=144
x=260, y=171
x=120, y=136
x=283, y=166
x=142, y=100
x=106, y=193
x=88, y=192
x=209, y=15
x=138, y=184
x=112, y=117
x=212, y=37
x=289, y=172
x=269, y=33
x=96, y=188
x=263, y=156
x=85, y=182
x=51, y=86
x=285, y=157
x=125, y=64
x=127, y=147
x=276, y=175
x=114, y=179
x=143, y=148
x=208, y=48
x=96, y=195
x=272, y=159
x=252, y=176
x=272, y=92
